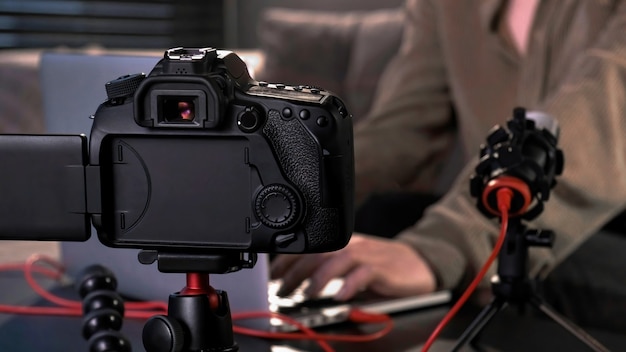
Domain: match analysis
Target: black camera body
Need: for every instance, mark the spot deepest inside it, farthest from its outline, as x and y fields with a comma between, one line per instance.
x=198, y=156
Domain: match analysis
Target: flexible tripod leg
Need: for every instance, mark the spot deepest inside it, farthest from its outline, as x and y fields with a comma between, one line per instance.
x=575, y=330
x=480, y=322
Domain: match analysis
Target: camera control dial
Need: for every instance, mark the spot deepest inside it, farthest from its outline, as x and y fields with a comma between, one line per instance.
x=250, y=119
x=124, y=86
x=276, y=206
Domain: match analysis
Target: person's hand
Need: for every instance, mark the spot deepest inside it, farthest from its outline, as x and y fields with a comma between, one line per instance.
x=386, y=267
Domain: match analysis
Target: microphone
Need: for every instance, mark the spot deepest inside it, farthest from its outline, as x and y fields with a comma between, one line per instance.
x=523, y=157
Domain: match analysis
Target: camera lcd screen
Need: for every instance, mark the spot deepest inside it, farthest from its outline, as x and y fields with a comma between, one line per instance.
x=178, y=191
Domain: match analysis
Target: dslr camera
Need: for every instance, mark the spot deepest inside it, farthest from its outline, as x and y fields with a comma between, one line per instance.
x=194, y=157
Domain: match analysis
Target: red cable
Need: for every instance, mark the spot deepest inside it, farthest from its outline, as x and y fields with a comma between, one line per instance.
x=504, y=196
x=356, y=316
x=307, y=333
x=30, y=310
x=155, y=306
x=135, y=310
x=28, y=275
x=52, y=274
x=145, y=310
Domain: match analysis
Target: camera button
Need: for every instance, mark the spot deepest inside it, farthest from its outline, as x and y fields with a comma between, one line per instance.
x=263, y=84
x=124, y=86
x=285, y=239
x=287, y=113
x=249, y=120
x=280, y=86
x=322, y=121
x=276, y=206
x=315, y=90
x=304, y=114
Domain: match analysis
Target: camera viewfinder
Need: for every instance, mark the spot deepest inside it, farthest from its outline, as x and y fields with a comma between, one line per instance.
x=178, y=109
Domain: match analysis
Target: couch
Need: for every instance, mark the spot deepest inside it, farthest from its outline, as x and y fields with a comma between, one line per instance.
x=341, y=52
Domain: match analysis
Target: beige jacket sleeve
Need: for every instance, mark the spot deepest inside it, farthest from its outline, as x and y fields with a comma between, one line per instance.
x=590, y=105
x=400, y=144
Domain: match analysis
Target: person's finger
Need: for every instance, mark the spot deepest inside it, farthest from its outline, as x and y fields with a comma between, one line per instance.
x=355, y=281
x=298, y=271
x=335, y=265
x=282, y=263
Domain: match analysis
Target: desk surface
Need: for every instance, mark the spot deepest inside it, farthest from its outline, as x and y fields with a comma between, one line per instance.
x=508, y=331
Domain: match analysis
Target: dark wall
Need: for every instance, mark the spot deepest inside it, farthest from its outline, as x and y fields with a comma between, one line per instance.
x=111, y=23
x=149, y=23
x=242, y=15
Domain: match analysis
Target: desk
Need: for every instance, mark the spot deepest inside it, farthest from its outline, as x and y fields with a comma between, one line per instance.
x=507, y=332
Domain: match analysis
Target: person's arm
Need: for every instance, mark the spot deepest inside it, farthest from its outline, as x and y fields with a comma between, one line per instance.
x=453, y=237
x=396, y=147
x=400, y=145
x=590, y=106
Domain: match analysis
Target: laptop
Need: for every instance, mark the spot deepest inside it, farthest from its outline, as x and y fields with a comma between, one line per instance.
x=324, y=310
x=73, y=86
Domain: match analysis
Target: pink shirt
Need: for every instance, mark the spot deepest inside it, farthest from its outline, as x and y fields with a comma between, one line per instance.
x=519, y=20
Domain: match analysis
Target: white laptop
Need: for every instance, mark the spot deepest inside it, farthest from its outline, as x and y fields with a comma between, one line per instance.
x=73, y=88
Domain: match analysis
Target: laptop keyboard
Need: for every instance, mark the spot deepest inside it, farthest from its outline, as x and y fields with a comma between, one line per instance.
x=298, y=296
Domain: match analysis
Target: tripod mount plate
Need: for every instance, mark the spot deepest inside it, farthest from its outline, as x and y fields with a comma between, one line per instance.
x=172, y=262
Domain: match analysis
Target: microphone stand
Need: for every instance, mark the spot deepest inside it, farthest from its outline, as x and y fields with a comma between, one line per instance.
x=512, y=286
x=525, y=159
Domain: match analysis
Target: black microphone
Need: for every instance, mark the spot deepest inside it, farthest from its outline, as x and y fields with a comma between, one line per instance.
x=523, y=156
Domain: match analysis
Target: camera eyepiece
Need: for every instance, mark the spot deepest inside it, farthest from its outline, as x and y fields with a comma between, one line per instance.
x=177, y=109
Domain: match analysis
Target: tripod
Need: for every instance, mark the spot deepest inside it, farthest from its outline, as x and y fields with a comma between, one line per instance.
x=512, y=286
x=198, y=317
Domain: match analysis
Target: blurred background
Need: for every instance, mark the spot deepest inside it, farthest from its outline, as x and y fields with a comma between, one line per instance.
x=325, y=43
x=145, y=24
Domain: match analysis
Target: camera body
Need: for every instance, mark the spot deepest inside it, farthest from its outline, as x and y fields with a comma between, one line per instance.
x=202, y=156
x=198, y=157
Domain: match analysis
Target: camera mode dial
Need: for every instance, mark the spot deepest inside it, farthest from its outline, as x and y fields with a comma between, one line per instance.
x=276, y=206
x=123, y=86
